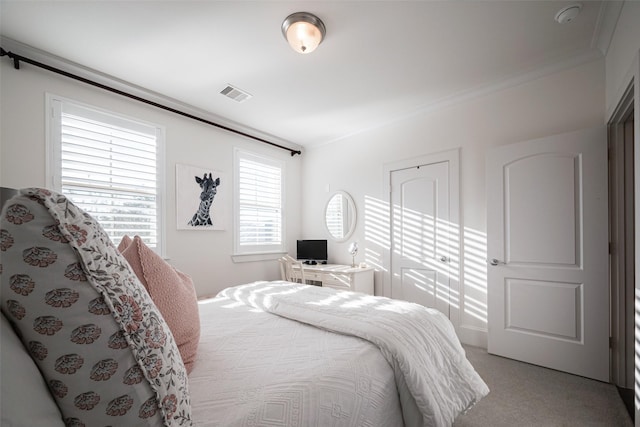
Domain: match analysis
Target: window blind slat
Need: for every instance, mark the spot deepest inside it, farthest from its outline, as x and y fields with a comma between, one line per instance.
x=103, y=127
x=101, y=157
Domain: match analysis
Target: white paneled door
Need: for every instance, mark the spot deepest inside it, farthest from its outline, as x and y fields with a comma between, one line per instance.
x=420, y=235
x=547, y=237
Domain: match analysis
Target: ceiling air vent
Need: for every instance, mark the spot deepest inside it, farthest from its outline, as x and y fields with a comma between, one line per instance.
x=235, y=93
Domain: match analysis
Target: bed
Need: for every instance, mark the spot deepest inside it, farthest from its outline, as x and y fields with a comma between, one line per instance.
x=105, y=348
x=287, y=354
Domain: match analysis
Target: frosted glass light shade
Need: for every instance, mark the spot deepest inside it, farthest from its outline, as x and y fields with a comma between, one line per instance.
x=303, y=31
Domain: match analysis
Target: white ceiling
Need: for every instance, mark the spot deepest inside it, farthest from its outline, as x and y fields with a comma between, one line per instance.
x=380, y=61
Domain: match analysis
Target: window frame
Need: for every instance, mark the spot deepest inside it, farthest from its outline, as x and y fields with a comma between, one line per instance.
x=53, y=144
x=257, y=252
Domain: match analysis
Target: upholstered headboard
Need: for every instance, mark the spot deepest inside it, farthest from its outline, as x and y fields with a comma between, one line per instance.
x=6, y=194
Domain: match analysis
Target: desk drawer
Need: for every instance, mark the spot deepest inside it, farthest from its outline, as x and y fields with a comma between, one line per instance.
x=308, y=275
x=337, y=281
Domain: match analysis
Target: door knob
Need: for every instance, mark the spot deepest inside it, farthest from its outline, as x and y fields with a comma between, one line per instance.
x=495, y=262
x=444, y=258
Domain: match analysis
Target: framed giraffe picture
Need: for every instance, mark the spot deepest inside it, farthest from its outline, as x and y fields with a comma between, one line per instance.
x=200, y=198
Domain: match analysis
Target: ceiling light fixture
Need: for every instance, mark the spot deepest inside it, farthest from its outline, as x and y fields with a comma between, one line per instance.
x=304, y=31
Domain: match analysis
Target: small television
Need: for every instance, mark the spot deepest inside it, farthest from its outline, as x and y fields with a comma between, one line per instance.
x=312, y=250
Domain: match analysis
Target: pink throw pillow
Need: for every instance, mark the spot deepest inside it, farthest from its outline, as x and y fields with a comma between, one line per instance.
x=124, y=243
x=173, y=293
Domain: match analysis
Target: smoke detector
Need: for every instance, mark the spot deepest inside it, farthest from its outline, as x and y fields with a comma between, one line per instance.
x=568, y=13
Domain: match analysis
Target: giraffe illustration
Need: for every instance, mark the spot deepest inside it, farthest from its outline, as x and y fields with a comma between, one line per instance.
x=209, y=189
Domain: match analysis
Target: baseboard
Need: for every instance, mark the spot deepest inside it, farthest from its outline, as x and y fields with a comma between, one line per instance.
x=626, y=394
x=472, y=336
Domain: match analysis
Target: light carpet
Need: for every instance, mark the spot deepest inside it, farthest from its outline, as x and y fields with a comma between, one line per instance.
x=527, y=395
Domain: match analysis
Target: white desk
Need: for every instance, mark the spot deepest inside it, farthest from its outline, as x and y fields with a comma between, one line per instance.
x=340, y=276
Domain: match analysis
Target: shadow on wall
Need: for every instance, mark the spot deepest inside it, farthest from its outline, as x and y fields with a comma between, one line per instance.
x=424, y=237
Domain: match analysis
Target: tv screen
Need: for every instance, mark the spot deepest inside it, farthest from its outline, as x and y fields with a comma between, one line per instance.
x=315, y=250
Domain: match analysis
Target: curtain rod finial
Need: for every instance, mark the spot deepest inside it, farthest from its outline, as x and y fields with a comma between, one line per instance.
x=16, y=58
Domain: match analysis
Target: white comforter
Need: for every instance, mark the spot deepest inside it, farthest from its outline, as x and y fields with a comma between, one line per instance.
x=322, y=383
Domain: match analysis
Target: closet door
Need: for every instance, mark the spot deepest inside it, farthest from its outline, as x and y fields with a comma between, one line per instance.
x=421, y=235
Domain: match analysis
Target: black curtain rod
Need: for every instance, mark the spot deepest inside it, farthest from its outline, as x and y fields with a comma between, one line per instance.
x=16, y=64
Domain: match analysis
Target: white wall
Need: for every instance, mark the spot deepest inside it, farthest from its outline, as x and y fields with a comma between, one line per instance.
x=565, y=101
x=205, y=255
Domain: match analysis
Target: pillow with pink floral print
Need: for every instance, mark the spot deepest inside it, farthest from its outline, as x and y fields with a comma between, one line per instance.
x=103, y=348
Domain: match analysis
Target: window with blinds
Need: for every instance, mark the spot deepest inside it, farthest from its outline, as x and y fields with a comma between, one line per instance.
x=259, y=202
x=108, y=165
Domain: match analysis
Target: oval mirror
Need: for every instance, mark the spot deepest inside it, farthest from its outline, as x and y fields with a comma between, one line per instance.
x=340, y=216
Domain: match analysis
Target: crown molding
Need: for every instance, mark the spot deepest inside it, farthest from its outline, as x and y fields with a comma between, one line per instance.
x=606, y=25
x=581, y=58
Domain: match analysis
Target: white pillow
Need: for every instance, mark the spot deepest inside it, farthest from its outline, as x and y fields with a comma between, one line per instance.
x=26, y=400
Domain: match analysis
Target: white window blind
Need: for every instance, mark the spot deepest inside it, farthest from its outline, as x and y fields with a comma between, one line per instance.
x=259, y=204
x=108, y=166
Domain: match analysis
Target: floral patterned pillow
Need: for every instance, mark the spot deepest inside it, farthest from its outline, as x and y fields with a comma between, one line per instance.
x=101, y=344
